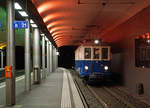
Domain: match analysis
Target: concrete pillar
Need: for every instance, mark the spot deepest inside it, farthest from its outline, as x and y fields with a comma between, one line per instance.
x=27, y=58
x=2, y=59
x=51, y=58
x=36, y=56
x=10, y=82
x=56, y=58
x=43, y=57
x=54, y=61
x=48, y=57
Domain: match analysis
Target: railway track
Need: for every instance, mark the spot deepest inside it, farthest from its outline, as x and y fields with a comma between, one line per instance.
x=107, y=97
x=90, y=100
x=127, y=97
x=2, y=74
x=112, y=97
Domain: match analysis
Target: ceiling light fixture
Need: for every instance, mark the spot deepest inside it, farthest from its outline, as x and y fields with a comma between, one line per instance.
x=31, y=21
x=34, y=25
x=17, y=6
x=23, y=13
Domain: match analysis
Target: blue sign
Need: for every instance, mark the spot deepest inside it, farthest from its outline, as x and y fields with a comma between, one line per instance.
x=20, y=24
x=0, y=24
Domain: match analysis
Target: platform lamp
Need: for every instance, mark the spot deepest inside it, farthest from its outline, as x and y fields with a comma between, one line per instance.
x=17, y=6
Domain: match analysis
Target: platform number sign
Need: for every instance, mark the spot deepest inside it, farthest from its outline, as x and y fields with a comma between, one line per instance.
x=20, y=24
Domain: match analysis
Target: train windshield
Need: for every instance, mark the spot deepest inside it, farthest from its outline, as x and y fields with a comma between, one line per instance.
x=87, y=53
x=96, y=53
x=104, y=53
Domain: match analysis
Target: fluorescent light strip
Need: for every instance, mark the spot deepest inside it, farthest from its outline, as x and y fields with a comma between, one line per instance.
x=34, y=25
x=17, y=6
x=31, y=21
x=42, y=34
x=23, y=13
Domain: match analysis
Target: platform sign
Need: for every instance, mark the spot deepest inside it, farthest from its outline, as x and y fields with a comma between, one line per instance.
x=20, y=24
x=0, y=24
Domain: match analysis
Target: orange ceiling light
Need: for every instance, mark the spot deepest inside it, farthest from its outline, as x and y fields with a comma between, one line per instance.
x=62, y=37
x=45, y=6
x=55, y=16
x=59, y=32
x=61, y=41
x=56, y=23
x=49, y=17
x=56, y=34
x=59, y=29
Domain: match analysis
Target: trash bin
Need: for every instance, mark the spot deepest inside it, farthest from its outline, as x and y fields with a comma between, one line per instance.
x=37, y=76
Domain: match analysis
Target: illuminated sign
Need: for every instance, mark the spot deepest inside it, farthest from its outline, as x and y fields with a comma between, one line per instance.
x=20, y=24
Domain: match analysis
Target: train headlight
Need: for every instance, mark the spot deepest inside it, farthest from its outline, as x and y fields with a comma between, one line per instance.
x=106, y=68
x=86, y=67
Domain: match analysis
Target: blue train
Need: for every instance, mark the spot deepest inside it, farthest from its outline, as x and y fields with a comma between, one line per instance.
x=93, y=62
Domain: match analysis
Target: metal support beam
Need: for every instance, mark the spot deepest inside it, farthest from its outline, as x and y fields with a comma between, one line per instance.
x=48, y=57
x=43, y=57
x=54, y=59
x=10, y=83
x=51, y=58
x=36, y=56
x=2, y=59
x=27, y=58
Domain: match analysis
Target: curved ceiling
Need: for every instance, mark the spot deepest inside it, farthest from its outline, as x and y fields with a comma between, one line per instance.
x=72, y=21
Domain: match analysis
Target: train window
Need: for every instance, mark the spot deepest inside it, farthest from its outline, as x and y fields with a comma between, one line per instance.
x=87, y=53
x=104, y=53
x=142, y=53
x=96, y=53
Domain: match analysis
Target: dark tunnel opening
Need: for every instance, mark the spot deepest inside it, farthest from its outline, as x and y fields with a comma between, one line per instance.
x=66, y=57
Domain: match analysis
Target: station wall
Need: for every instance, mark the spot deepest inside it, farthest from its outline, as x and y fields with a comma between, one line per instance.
x=124, y=51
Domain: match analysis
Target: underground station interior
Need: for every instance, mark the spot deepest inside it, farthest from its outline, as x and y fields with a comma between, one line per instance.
x=74, y=53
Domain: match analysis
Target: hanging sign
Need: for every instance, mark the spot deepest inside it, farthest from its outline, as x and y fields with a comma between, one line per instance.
x=20, y=24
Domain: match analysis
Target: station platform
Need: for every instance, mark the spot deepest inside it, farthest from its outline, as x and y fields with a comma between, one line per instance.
x=58, y=90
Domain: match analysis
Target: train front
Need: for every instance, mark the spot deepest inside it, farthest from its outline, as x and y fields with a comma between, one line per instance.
x=96, y=63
